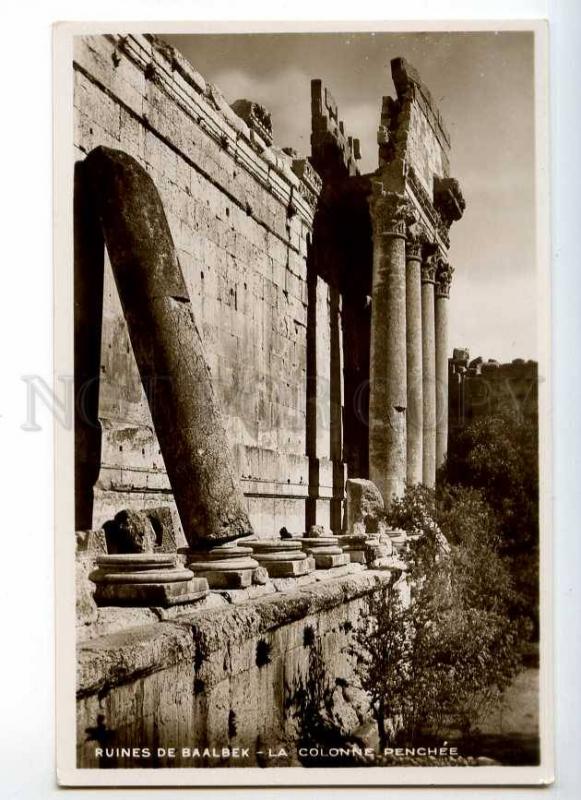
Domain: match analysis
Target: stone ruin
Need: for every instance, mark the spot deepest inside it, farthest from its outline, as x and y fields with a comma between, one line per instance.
x=261, y=364
x=479, y=388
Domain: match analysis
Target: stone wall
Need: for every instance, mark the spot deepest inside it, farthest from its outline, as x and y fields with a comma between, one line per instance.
x=241, y=213
x=421, y=134
x=227, y=676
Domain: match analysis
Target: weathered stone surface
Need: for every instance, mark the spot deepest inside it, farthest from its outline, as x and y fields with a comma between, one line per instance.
x=130, y=532
x=415, y=416
x=333, y=153
x=364, y=506
x=282, y=558
x=256, y=117
x=325, y=550
x=355, y=546
x=444, y=274
x=86, y=607
x=245, y=273
x=91, y=542
x=387, y=371
x=228, y=566
x=145, y=579
x=316, y=531
x=429, y=372
x=260, y=576
x=165, y=337
x=218, y=651
x=162, y=523
x=448, y=199
x=398, y=540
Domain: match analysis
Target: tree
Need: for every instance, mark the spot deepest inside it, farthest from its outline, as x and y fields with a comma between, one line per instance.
x=443, y=660
x=498, y=455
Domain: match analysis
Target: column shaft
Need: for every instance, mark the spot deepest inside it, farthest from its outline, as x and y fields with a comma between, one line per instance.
x=429, y=374
x=415, y=412
x=443, y=279
x=388, y=379
x=168, y=350
x=441, y=379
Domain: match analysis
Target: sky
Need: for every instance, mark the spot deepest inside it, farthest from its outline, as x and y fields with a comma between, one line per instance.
x=483, y=83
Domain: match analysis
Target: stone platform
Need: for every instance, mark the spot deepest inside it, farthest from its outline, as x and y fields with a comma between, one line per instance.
x=231, y=675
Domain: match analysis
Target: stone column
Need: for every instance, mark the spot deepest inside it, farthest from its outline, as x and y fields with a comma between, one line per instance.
x=387, y=370
x=429, y=372
x=415, y=413
x=168, y=350
x=443, y=279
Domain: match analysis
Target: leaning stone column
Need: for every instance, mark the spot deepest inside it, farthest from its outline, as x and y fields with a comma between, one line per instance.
x=387, y=370
x=443, y=279
x=169, y=353
x=429, y=372
x=415, y=412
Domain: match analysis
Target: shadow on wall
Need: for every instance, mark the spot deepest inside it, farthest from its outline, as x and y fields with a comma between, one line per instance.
x=312, y=704
x=89, y=255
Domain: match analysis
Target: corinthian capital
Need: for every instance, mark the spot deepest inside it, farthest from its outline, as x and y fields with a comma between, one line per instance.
x=429, y=269
x=416, y=238
x=444, y=274
x=390, y=212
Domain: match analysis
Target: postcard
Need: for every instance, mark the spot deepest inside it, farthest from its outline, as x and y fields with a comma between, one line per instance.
x=303, y=508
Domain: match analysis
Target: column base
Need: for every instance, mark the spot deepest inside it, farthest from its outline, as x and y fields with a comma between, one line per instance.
x=282, y=558
x=227, y=566
x=399, y=539
x=145, y=579
x=354, y=545
x=325, y=550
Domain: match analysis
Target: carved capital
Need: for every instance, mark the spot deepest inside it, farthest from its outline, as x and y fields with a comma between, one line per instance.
x=391, y=213
x=429, y=265
x=444, y=274
x=416, y=238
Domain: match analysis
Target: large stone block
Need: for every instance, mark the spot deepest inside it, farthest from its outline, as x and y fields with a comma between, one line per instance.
x=364, y=507
x=130, y=532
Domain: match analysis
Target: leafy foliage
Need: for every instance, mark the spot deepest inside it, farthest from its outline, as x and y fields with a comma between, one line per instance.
x=498, y=455
x=442, y=660
x=311, y=704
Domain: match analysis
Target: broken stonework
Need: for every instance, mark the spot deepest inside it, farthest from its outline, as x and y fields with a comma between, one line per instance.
x=364, y=507
x=162, y=523
x=315, y=531
x=256, y=117
x=88, y=545
x=130, y=532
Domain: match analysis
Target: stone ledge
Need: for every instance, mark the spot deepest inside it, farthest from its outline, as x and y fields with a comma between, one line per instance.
x=121, y=657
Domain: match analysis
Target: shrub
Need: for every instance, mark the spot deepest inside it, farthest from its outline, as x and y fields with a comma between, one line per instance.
x=442, y=661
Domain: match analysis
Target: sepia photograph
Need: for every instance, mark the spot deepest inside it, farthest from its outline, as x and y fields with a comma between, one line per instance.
x=306, y=525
